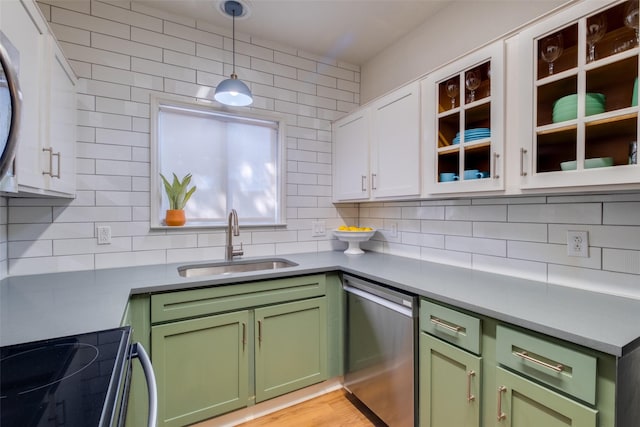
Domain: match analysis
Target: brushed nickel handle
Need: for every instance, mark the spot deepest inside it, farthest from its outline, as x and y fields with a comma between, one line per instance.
x=260, y=331
x=244, y=335
x=523, y=151
x=50, y=172
x=440, y=323
x=363, y=183
x=496, y=156
x=501, y=415
x=524, y=355
x=58, y=156
x=470, y=397
x=373, y=181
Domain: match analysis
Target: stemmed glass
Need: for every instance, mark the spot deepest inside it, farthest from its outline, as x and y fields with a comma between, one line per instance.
x=551, y=49
x=596, y=27
x=472, y=82
x=631, y=17
x=452, y=91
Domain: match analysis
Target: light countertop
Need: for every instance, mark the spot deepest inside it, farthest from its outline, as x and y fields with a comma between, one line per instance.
x=50, y=305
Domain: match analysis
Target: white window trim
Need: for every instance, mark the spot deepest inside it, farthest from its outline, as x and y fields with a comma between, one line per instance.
x=155, y=185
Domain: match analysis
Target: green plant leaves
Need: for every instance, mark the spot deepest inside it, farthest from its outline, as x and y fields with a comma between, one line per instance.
x=177, y=192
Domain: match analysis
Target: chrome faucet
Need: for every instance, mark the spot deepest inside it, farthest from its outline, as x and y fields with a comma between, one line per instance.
x=233, y=229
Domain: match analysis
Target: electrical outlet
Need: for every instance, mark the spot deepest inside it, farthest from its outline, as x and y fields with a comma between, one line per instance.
x=393, y=229
x=104, y=235
x=578, y=243
x=318, y=229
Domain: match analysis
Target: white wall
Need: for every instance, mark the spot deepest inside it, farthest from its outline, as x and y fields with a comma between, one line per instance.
x=455, y=30
x=124, y=52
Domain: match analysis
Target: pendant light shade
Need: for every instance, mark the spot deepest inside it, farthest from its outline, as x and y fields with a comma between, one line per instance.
x=233, y=91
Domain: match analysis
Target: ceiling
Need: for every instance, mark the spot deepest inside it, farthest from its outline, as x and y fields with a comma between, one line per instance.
x=352, y=31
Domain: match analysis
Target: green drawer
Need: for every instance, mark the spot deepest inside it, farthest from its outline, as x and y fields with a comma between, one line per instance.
x=200, y=302
x=450, y=325
x=558, y=365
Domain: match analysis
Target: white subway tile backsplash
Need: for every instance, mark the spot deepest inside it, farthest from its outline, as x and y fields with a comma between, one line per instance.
x=38, y=265
x=575, y=213
x=193, y=62
x=492, y=247
x=458, y=259
x=622, y=261
x=129, y=78
x=119, y=137
x=192, y=34
x=130, y=259
x=22, y=249
x=511, y=231
x=625, y=213
x=511, y=267
x=29, y=215
x=117, y=106
x=95, y=56
x=105, y=89
x=50, y=231
x=476, y=213
x=606, y=236
x=117, y=14
x=103, y=182
x=454, y=228
x=294, y=61
x=551, y=253
x=90, y=23
x=173, y=241
x=69, y=34
x=90, y=246
x=91, y=214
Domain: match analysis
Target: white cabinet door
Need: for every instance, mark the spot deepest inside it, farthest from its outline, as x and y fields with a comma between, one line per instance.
x=351, y=157
x=579, y=118
x=61, y=119
x=27, y=34
x=395, y=144
x=463, y=119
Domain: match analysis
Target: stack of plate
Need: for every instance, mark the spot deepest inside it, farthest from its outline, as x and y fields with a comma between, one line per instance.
x=566, y=108
x=473, y=134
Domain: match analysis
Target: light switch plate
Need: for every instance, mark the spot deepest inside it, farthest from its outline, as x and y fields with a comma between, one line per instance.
x=318, y=229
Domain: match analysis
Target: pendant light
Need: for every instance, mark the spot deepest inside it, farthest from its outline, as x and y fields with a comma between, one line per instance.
x=233, y=91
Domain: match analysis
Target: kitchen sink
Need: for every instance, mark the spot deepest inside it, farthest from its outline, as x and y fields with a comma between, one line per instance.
x=233, y=267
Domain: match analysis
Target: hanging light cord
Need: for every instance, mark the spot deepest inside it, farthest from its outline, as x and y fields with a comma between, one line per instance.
x=233, y=40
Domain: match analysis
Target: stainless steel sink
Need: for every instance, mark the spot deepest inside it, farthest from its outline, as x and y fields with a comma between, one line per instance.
x=233, y=267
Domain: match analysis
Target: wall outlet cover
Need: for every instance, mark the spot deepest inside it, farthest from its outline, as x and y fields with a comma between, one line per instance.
x=104, y=235
x=578, y=243
x=318, y=229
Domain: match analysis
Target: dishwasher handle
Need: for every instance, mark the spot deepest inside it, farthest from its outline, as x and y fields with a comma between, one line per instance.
x=140, y=353
x=405, y=311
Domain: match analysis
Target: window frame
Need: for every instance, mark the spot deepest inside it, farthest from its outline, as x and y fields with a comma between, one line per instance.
x=156, y=189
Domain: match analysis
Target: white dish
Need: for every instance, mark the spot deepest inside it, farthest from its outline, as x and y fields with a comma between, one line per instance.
x=353, y=238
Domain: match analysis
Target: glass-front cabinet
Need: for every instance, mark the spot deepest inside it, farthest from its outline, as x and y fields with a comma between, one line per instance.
x=462, y=124
x=580, y=111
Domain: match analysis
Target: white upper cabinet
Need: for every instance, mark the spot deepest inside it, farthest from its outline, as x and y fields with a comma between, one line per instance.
x=351, y=157
x=463, y=129
x=45, y=156
x=377, y=149
x=395, y=144
x=578, y=101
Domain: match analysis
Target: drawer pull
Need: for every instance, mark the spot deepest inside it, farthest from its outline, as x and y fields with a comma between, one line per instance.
x=440, y=323
x=363, y=183
x=523, y=151
x=501, y=415
x=525, y=356
x=470, y=397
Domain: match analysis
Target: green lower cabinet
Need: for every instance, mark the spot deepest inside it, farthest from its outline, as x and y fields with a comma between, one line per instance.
x=523, y=403
x=290, y=347
x=450, y=380
x=201, y=367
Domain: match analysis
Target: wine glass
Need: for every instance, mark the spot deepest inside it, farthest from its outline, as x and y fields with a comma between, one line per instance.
x=472, y=82
x=596, y=27
x=551, y=49
x=452, y=91
x=631, y=17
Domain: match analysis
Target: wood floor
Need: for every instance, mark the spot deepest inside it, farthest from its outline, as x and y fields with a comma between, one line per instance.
x=335, y=409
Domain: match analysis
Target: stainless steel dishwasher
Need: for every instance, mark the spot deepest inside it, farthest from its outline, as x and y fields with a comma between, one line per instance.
x=380, y=345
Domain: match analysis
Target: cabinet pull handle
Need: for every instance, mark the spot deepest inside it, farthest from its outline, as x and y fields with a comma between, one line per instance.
x=259, y=331
x=501, y=415
x=244, y=335
x=58, y=156
x=373, y=181
x=523, y=151
x=364, y=183
x=50, y=171
x=525, y=356
x=496, y=156
x=470, y=397
x=440, y=323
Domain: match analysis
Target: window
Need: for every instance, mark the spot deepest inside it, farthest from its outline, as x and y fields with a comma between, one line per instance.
x=235, y=160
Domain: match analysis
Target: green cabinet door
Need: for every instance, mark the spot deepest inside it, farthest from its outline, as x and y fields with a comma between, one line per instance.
x=290, y=347
x=449, y=385
x=523, y=403
x=201, y=367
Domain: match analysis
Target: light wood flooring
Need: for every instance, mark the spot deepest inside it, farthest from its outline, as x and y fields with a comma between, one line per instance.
x=335, y=409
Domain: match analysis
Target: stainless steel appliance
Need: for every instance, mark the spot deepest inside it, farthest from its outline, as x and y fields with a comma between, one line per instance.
x=380, y=347
x=81, y=380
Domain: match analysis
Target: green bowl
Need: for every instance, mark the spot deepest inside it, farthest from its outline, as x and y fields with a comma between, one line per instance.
x=566, y=108
x=634, y=97
x=597, y=162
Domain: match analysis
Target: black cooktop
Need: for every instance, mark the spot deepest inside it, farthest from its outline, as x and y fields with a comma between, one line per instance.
x=63, y=381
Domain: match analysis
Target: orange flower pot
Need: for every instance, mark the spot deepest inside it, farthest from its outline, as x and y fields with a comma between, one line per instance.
x=175, y=217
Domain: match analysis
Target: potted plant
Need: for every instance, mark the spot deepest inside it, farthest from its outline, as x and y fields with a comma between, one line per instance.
x=178, y=196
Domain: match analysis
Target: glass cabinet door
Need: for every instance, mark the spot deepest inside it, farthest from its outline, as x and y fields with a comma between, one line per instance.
x=463, y=123
x=584, y=110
